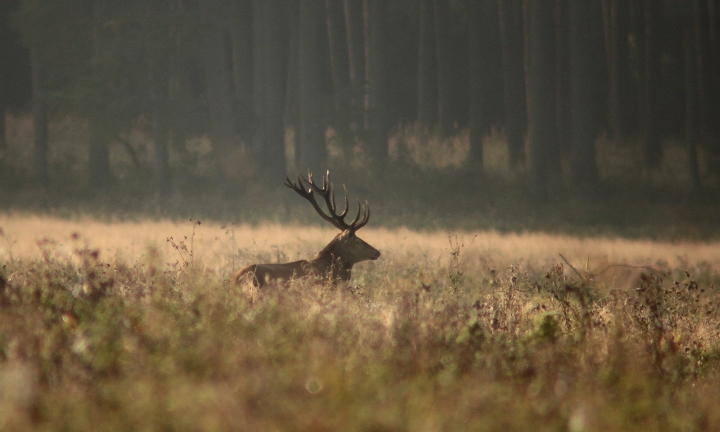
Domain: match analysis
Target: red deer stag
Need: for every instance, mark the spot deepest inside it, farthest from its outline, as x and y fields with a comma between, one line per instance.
x=336, y=260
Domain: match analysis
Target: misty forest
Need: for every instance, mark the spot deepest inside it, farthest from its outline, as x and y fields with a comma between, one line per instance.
x=492, y=106
x=537, y=183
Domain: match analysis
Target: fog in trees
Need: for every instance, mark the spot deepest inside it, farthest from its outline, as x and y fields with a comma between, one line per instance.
x=477, y=107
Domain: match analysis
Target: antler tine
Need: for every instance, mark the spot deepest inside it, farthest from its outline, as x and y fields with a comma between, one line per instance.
x=357, y=217
x=308, y=195
x=366, y=219
x=327, y=185
x=356, y=225
x=331, y=203
x=311, y=182
x=347, y=206
x=299, y=188
x=332, y=200
x=327, y=192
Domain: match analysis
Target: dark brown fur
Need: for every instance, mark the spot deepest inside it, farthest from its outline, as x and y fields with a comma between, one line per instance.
x=335, y=262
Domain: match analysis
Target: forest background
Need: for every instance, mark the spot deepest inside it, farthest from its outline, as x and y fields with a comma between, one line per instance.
x=595, y=116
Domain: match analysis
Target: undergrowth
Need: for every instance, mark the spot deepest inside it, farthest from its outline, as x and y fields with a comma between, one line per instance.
x=88, y=343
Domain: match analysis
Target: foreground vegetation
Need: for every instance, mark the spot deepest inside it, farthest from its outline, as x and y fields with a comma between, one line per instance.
x=89, y=342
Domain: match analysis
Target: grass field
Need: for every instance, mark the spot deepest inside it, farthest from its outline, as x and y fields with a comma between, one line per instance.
x=110, y=326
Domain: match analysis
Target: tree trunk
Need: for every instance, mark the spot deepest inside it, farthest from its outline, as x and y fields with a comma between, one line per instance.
x=366, y=87
x=274, y=167
x=352, y=10
x=4, y=82
x=620, y=90
x=427, y=69
x=651, y=73
x=99, y=156
x=636, y=62
x=159, y=95
x=292, y=95
x=258, y=70
x=626, y=92
x=709, y=56
x=691, y=96
x=161, y=138
x=40, y=121
x=269, y=85
x=336, y=44
x=159, y=84
x=478, y=73
x=220, y=98
x=541, y=97
x=311, y=140
x=611, y=34
x=440, y=8
x=699, y=67
x=241, y=33
x=3, y=118
x=563, y=102
x=378, y=126
x=583, y=167
x=511, y=39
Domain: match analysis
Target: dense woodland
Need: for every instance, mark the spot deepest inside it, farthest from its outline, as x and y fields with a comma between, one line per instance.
x=260, y=76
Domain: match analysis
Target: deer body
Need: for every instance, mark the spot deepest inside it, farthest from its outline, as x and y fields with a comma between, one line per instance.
x=263, y=274
x=334, y=263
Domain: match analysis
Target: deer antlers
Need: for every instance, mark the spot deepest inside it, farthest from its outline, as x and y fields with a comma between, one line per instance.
x=328, y=194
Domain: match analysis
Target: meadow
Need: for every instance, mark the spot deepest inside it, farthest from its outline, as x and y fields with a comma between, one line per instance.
x=118, y=325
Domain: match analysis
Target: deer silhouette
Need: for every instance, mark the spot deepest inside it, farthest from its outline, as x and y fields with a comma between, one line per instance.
x=335, y=262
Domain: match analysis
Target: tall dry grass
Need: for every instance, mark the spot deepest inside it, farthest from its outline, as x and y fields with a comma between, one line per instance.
x=223, y=246
x=113, y=328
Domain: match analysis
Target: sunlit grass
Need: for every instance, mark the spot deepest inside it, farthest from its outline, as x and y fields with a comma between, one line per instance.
x=110, y=330
x=217, y=244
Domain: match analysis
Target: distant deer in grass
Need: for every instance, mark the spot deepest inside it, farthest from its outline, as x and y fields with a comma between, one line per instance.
x=336, y=260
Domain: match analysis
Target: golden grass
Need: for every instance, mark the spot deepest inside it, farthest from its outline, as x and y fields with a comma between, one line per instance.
x=223, y=248
x=438, y=334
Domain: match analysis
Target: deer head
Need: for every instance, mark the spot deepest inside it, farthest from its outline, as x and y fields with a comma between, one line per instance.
x=346, y=249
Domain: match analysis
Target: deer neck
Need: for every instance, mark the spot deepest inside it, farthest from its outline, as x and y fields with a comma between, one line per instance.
x=332, y=264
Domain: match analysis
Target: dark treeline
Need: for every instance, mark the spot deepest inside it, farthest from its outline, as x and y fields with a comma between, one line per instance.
x=552, y=75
